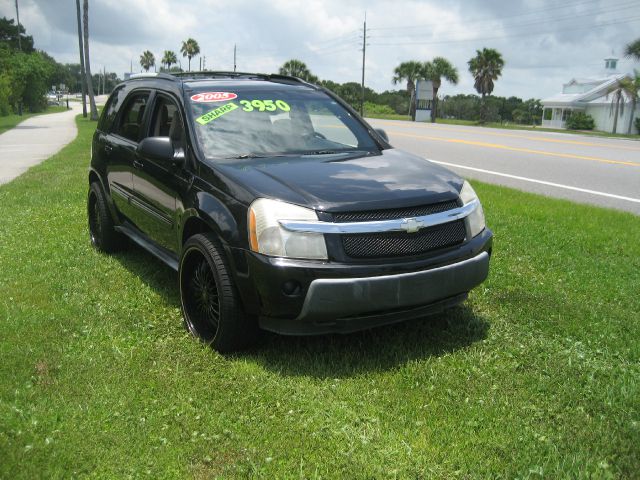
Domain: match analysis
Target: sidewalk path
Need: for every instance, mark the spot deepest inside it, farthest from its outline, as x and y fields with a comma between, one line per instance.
x=35, y=140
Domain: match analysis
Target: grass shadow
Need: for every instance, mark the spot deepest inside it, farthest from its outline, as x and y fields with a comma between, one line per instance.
x=377, y=349
x=334, y=356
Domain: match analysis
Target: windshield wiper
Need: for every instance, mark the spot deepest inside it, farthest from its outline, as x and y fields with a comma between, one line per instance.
x=256, y=155
x=325, y=152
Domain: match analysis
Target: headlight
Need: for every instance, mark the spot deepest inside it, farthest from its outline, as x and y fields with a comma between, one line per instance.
x=476, y=218
x=268, y=237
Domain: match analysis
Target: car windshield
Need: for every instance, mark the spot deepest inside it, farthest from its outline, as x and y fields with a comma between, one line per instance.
x=272, y=122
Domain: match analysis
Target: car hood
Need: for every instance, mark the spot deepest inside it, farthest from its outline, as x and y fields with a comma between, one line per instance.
x=391, y=179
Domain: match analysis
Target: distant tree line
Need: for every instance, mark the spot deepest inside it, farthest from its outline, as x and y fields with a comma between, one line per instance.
x=496, y=109
x=27, y=74
x=399, y=102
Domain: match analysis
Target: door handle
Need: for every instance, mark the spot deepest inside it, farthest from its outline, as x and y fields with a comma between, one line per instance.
x=108, y=148
x=137, y=163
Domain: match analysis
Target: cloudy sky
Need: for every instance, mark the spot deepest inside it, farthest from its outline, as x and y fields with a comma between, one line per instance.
x=544, y=42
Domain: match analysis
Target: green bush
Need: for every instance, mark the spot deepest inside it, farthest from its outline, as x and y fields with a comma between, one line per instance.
x=377, y=109
x=580, y=121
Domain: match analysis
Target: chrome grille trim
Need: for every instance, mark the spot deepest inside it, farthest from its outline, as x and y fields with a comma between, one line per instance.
x=397, y=225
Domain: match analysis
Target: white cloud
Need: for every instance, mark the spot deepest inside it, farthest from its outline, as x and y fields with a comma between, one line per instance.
x=543, y=43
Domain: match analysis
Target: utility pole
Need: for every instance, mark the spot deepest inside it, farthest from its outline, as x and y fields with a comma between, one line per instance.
x=234, y=57
x=83, y=79
x=364, y=52
x=18, y=19
x=204, y=63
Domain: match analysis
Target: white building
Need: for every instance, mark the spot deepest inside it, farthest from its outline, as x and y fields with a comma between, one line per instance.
x=594, y=97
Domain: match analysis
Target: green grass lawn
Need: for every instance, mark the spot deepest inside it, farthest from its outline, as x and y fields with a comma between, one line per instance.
x=515, y=126
x=537, y=375
x=510, y=126
x=385, y=116
x=9, y=121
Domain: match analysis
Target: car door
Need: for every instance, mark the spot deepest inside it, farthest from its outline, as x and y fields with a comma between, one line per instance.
x=120, y=150
x=158, y=186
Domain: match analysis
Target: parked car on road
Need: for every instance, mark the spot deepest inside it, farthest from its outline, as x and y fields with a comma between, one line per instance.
x=280, y=208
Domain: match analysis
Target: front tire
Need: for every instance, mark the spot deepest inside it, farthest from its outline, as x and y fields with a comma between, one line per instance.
x=103, y=235
x=210, y=305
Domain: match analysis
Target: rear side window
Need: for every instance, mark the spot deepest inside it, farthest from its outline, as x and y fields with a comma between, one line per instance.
x=130, y=122
x=111, y=109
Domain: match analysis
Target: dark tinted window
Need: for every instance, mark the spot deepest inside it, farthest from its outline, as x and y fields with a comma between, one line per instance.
x=166, y=121
x=111, y=109
x=130, y=123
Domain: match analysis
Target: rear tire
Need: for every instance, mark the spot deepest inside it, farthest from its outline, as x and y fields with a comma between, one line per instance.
x=103, y=235
x=211, y=308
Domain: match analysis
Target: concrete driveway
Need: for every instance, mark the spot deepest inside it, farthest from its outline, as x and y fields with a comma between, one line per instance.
x=596, y=170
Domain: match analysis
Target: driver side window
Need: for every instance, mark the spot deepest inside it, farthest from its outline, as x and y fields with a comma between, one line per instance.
x=167, y=122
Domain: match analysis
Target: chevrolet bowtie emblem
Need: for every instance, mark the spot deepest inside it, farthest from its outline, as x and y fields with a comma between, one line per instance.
x=411, y=225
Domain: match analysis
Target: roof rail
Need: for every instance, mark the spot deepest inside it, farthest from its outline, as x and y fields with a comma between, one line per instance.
x=161, y=75
x=203, y=75
x=226, y=74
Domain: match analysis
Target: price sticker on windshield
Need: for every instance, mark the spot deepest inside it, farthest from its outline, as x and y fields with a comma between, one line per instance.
x=264, y=105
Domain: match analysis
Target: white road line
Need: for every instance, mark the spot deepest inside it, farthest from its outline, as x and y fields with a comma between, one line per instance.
x=542, y=182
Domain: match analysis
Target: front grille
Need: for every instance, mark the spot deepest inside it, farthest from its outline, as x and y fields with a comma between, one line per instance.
x=373, y=215
x=395, y=244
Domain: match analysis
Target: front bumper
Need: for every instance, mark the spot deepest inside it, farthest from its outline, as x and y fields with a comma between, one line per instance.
x=341, y=298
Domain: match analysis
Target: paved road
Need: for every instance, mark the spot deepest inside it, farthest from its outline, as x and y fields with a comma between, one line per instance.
x=35, y=140
x=595, y=170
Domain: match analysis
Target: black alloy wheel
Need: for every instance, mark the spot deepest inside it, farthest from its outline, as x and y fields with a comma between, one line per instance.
x=103, y=235
x=210, y=305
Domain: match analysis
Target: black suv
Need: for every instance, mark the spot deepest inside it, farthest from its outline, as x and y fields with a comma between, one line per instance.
x=279, y=207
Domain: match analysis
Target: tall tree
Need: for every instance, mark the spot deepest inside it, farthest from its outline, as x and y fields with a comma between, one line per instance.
x=83, y=80
x=190, y=49
x=169, y=58
x=624, y=88
x=633, y=50
x=631, y=86
x=15, y=36
x=87, y=63
x=617, y=104
x=147, y=60
x=410, y=71
x=485, y=67
x=435, y=71
x=297, y=68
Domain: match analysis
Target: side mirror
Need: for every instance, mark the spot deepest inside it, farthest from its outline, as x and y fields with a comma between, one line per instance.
x=159, y=149
x=382, y=133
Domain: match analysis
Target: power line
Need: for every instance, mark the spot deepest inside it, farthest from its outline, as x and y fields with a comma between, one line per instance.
x=501, y=37
x=528, y=23
x=483, y=19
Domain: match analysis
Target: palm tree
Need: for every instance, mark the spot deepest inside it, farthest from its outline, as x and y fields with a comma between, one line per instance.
x=169, y=58
x=435, y=71
x=87, y=64
x=297, y=68
x=190, y=49
x=617, y=104
x=625, y=87
x=410, y=71
x=147, y=60
x=631, y=87
x=485, y=67
x=633, y=50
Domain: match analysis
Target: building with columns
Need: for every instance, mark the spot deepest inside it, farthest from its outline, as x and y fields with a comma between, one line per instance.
x=594, y=97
